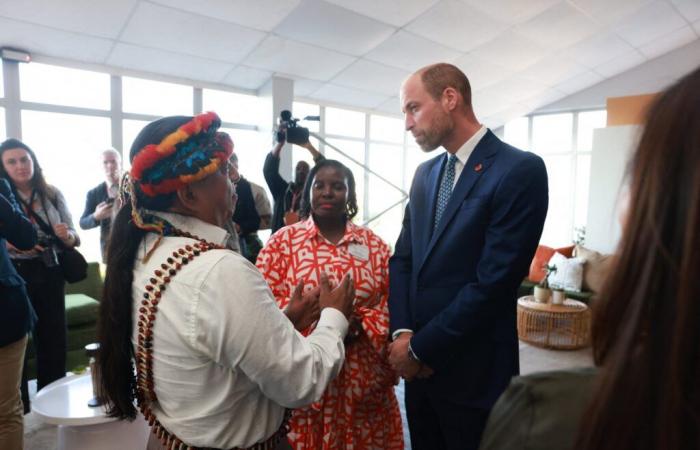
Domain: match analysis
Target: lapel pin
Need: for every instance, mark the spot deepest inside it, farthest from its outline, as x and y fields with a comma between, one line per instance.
x=478, y=167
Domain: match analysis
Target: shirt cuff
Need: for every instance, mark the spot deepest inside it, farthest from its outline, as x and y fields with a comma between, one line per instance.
x=333, y=318
x=411, y=353
x=396, y=333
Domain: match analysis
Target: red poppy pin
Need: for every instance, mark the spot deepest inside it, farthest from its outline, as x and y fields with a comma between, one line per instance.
x=478, y=167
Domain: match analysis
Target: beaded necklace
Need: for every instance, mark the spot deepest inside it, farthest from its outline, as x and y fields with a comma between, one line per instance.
x=145, y=390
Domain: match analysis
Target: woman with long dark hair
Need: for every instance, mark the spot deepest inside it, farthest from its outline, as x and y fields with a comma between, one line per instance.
x=646, y=322
x=45, y=206
x=359, y=409
x=216, y=362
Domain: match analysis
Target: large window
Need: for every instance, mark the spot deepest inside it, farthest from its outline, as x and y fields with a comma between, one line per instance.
x=232, y=107
x=564, y=141
x=3, y=132
x=42, y=83
x=156, y=97
x=66, y=145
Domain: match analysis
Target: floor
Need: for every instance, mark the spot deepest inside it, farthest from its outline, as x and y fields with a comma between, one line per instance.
x=39, y=436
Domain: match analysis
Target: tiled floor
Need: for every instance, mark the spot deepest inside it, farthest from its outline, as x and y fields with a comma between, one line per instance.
x=39, y=436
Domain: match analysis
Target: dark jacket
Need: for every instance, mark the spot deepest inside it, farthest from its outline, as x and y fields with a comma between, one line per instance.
x=245, y=215
x=16, y=313
x=96, y=196
x=540, y=411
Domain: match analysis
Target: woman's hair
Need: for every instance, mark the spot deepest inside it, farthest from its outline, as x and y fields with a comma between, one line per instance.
x=350, y=206
x=115, y=327
x=38, y=181
x=646, y=323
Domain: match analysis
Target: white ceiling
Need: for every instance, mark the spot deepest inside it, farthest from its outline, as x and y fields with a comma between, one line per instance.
x=518, y=54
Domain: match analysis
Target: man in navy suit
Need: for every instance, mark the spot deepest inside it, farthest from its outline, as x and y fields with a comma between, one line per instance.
x=470, y=230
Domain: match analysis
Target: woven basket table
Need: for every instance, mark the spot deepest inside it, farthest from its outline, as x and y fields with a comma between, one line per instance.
x=563, y=327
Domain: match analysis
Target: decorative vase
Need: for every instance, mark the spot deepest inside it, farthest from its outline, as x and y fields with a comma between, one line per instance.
x=542, y=294
x=558, y=297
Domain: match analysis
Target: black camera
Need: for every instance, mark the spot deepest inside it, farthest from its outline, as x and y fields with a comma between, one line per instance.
x=295, y=134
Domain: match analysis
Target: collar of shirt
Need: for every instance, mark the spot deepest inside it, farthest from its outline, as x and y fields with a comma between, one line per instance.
x=352, y=232
x=468, y=147
x=193, y=225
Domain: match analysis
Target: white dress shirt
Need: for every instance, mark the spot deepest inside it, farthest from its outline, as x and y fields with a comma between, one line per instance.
x=226, y=360
x=463, y=154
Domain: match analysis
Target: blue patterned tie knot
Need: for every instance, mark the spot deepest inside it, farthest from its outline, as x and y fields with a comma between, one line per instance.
x=448, y=178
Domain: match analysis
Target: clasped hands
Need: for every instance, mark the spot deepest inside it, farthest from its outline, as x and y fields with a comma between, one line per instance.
x=402, y=363
x=304, y=308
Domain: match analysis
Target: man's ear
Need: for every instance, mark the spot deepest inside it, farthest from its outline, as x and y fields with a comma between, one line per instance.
x=187, y=197
x=450, y=98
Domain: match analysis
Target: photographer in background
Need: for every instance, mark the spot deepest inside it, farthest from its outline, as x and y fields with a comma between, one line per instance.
x=46, y=208
x=287, y=195
x=100, y=203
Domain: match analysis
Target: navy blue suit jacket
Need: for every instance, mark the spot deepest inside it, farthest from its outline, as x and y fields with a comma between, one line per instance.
x=95, y=196
x=456, y=286
x=16, y=313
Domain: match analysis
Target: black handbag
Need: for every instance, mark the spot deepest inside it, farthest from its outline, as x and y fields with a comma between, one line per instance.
x=72, y=262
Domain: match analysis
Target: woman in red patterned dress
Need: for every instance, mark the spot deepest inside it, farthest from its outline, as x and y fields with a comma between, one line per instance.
x=359, y=409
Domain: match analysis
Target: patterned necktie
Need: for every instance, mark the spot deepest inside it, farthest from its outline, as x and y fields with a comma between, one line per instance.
x=448, y=178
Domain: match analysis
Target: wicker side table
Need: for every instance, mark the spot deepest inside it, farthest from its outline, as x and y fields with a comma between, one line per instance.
x=564, y=327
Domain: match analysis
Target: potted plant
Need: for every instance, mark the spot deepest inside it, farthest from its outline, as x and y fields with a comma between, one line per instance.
x=558, y=296
x=542, y=291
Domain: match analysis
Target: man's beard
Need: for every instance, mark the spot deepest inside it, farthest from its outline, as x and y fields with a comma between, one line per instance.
x=433, y=137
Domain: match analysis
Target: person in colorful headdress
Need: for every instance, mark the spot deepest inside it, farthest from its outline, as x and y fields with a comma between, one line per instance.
x=216, y=362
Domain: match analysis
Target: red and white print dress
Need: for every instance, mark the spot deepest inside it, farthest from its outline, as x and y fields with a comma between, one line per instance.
x=359, y=409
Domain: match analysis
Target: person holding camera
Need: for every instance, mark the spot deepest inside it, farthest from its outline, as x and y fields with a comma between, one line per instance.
x=287, y=195
x=45, y=206
x=16, y=317
x=100, y=202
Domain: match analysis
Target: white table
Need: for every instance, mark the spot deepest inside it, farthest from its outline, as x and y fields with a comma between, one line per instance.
x=64, y=403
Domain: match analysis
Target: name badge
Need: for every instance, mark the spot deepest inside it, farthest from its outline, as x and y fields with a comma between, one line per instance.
x=359, y=251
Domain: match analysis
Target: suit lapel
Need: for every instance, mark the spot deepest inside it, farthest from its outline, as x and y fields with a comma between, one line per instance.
x=478, y=163
x=432, y=185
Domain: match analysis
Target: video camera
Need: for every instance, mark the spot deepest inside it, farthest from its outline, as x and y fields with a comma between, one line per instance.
x=294, y=133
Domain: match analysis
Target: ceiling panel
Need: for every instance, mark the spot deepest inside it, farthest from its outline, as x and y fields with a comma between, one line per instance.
x=168, y=63
x=598, y=49
x=553, y=69
x=37, y=39
x=558, y=27
x=516, y=88
x=346, y=96
x=649, y=23
x=391, y=106
x=410, y=52
x=304, y=88
x=620, y=64
x=668, y=42
x=511, y=50
x=281, y=55
x=452, y=24
x=481, y=73
x=690, y=9
x=330, y=26
x=259, y=14
x=607, y=11
x=579, y=82
x=371, y=76
x=103, y=18
x=543, y=98
x=247, y=77
x=512, y=11
x=696, y=26
x=394, y=12
x=153, y=25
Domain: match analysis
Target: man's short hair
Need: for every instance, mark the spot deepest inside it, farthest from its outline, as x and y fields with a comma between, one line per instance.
x=113, y=151
x=438, y=77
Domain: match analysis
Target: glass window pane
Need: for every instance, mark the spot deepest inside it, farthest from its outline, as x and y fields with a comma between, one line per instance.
x=2, y=85
x=552, y=133
x=252, y=148
x=301, y=110
x=233, y=107
x=384, y=128
x=558, y=226
x=414, y=157
x=63, y=153
x=130, y=129
x=587, y=122
x=515, y=133
x=43, y=83
x=387, y=161
x=355, y=150
x=3, y=133
x=583, y=174
x=388, y=225
x=345, y=123
x=302, y=154
x=156, y=97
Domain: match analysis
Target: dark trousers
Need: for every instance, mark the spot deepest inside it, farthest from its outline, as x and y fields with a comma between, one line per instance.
x=46, y=289
x=439, y=424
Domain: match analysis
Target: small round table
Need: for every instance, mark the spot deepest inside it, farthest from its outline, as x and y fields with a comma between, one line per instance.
x=80, y=427
x=563, y=327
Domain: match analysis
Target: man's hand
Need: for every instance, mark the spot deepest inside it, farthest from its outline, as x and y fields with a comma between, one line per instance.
x=102, y=211
x=399, y=359
x=341, y=298
x=63, y=233
x=303, y=309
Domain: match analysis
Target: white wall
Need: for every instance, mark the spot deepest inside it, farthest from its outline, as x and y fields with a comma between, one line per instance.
x=612, y=148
